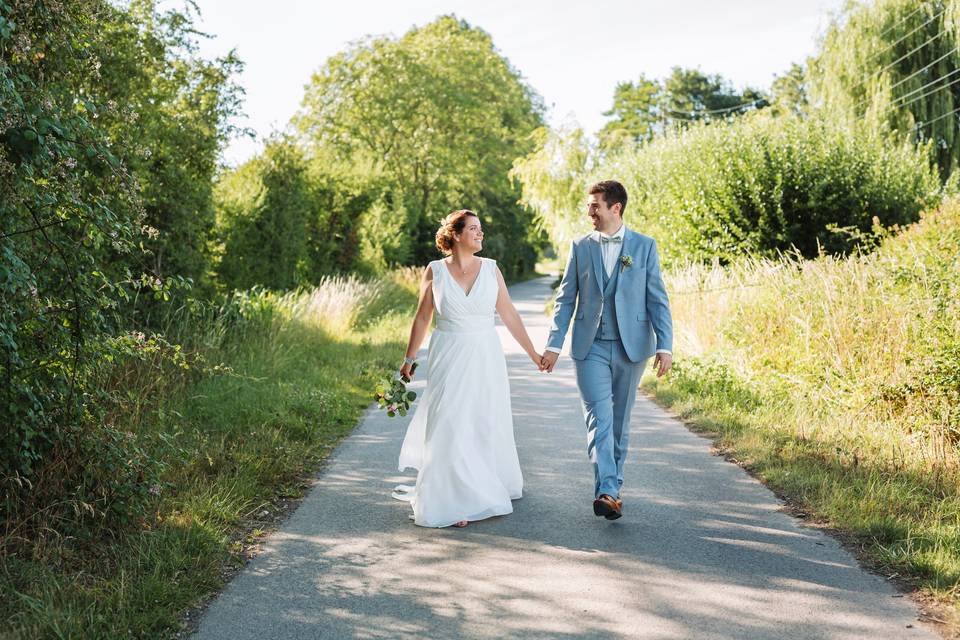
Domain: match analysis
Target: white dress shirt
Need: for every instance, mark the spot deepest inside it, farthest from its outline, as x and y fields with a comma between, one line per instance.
x=611, y=256
x=611, y=250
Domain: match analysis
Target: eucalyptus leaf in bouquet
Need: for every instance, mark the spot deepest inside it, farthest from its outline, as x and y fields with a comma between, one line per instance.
x=393, y=396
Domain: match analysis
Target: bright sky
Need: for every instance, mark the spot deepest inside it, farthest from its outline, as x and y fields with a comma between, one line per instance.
x=572, y=53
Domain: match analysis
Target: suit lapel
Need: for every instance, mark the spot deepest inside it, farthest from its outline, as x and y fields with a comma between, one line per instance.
x=625, y=250
x=596, y=256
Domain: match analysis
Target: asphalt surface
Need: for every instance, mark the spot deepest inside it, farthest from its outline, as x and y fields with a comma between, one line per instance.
x=703, y=550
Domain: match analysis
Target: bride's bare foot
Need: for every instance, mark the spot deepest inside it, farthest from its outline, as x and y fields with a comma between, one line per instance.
x=460, y=524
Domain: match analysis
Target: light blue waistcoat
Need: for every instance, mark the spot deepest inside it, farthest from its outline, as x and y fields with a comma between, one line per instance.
x=609, y=330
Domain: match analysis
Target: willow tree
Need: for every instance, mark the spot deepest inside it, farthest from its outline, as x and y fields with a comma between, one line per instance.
x=554, y=178
x=441, y=115
x=895, y=64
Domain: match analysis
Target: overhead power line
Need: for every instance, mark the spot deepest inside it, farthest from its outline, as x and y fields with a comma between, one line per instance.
x=943, y=77
x=907, y=55
x=931, y=92
x=920, y=125
x=894, y=104
x=695, y=113
x=901, y=39
x=880, y=71
x=918, y=71
x=902, y=20
x=865, y=100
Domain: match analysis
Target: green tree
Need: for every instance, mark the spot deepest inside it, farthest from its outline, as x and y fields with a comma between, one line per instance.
x=789, y=93
x=554, y=179
x=635, y=112
x=643, y=109
x=895, y=64
x=265, y=243
x=690, y=95
x=440, y=116
x=168, y=116
x=284, y=221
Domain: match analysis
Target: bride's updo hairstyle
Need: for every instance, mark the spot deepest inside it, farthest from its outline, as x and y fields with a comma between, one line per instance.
x=451, y=225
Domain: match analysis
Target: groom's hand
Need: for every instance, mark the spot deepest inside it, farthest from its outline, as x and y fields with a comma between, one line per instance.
x=549, y=361
x=662, y=363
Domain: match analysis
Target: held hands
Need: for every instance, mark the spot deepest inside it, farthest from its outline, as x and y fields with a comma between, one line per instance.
x=548, y=361
x=661, y=363
x=537, y=360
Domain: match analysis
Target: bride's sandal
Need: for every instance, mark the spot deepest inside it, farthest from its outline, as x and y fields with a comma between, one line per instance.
x=461, y=524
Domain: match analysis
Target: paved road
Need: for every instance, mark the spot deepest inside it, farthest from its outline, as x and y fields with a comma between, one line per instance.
x=703, y=550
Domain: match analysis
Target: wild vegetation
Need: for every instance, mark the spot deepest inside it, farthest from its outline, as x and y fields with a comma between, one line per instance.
x=208, y=441
x=838, y=382
x=181, y=342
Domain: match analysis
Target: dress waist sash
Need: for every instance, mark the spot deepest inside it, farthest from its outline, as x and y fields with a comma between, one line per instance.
x=465, y=325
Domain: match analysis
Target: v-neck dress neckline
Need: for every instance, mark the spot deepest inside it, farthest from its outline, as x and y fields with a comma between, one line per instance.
x=466, y=294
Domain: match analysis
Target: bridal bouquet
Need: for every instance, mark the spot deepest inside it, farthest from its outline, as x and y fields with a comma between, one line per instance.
x=393, y=395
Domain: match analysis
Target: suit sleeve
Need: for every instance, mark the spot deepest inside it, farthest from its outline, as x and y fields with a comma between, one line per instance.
x=566, y=299
x=658, y=306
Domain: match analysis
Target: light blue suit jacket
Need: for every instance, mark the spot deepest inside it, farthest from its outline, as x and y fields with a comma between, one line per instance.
x=643, y=310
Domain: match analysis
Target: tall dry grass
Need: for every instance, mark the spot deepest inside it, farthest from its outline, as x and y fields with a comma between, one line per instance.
x=837, y=381
x=847, y=340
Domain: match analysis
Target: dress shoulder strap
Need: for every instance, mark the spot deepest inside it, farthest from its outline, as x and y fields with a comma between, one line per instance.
x=491, y=266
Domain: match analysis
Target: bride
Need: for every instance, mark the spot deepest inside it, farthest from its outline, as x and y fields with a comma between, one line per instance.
x=460, y=438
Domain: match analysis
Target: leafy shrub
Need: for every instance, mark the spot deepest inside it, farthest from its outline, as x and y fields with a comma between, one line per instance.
x=286, y=221
x=758, y=186
x=768, y=185
x=100, y=105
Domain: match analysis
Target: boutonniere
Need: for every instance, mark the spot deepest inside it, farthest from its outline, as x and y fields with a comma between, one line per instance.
x=625, y=262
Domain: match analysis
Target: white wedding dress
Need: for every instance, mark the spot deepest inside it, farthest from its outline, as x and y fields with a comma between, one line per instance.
x=460, y=439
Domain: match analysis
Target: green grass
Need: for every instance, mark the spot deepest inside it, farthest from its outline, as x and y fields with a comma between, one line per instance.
x=233, y=442
x=837, y=382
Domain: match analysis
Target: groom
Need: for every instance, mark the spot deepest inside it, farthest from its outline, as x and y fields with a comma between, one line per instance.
x=622, y=318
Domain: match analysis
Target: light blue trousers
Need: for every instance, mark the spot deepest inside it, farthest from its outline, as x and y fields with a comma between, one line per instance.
x=607, y=380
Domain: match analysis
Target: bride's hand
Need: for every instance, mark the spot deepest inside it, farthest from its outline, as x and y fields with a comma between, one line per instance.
x=406, y=371
x=537, y=360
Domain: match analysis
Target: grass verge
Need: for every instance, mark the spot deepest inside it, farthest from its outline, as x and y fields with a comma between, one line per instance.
x=235, y=445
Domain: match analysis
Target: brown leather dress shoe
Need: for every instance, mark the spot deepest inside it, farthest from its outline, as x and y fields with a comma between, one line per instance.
x=607, y=506
x=613, y=515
